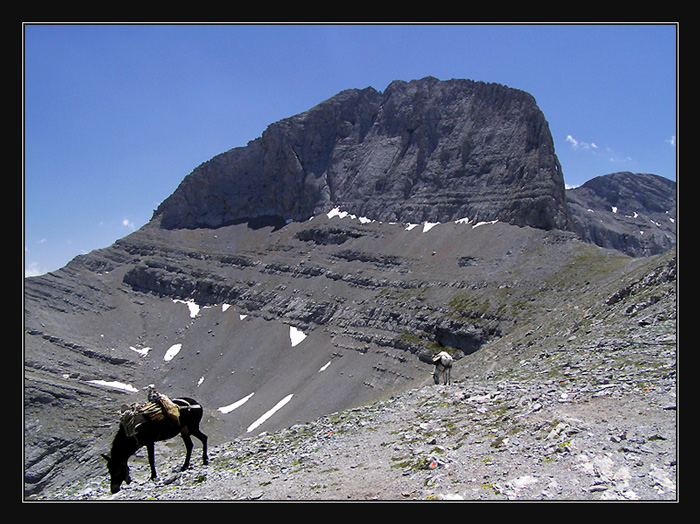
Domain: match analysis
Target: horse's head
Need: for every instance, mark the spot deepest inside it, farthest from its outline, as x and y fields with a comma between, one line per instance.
x=118, y=472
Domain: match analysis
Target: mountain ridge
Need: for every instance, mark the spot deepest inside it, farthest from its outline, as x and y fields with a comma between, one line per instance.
x=424, y=150
x=634, y=213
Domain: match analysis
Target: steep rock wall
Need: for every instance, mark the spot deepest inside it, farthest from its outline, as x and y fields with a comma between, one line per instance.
x=425, y=150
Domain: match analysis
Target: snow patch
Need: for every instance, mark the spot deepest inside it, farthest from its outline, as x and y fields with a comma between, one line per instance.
x=172, y=352
x=115, y=385
x=336, y=212
x=484, y=223
x=271, y=412
x=237, y=404
x=324, y=368
x=191, y=305
x=427, y=226
x=297, y=336
x=143, y=352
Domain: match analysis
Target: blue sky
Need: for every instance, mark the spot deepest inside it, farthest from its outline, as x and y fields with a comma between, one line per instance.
x=115, y=116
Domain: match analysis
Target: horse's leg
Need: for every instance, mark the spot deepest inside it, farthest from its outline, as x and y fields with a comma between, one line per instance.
x=151, y=459
x=188, y=446
x=449, y=370
x=201, y=436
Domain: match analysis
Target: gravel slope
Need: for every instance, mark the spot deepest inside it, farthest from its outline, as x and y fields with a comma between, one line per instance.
x=583, y=408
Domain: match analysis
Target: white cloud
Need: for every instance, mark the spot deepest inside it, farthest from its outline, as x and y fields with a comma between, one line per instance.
x=32, y=269
x=128, y=223
x=615, y=157
x=577, y=144
x=672, y=141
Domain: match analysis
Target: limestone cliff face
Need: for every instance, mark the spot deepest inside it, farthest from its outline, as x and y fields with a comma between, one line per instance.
x=425, y=150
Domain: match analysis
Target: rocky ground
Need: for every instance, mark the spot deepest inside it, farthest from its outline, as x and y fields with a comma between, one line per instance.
x=466, y=441
x=584, y=408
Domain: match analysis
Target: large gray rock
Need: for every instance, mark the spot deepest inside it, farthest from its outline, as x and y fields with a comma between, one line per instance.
x=425, y=150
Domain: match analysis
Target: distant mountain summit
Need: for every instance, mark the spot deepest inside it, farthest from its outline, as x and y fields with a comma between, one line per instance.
x=424, y=150
x=632, y=212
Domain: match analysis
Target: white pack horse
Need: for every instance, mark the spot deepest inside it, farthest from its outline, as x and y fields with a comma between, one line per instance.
x=443, y=366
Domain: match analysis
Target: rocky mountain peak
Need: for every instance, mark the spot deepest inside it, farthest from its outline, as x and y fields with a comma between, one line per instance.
x=632, y=212
x=424, y=150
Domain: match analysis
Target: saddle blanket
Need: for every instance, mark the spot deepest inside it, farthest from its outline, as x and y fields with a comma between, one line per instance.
x=152, y=411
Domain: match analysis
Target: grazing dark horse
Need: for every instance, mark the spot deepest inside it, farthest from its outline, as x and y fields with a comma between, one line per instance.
x=124, y=446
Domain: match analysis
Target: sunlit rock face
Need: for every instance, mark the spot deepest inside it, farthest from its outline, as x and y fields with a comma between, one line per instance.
x=425, y=150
